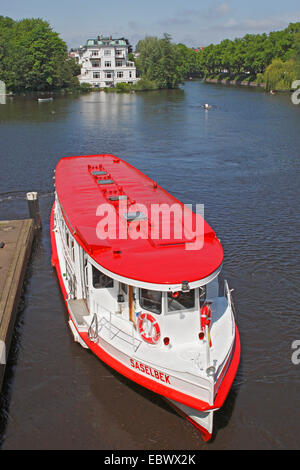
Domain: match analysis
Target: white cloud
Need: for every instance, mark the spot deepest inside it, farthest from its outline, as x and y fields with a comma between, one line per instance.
x=222, y=9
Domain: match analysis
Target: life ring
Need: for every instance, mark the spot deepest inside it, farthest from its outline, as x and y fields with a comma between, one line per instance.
x=148, y=328
x=205, y=316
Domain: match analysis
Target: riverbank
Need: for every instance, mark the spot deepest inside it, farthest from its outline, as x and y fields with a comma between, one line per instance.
x=235, y=82
x=15, y=247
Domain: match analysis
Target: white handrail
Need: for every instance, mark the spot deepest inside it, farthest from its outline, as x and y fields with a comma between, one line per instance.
x=227, y=293
x=109, y=327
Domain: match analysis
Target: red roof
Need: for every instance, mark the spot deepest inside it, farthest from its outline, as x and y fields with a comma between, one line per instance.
x=84, y=183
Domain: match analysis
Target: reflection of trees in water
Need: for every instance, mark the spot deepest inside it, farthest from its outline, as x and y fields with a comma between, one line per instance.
x=2, y=88
x=93, y=108
x=26, y=108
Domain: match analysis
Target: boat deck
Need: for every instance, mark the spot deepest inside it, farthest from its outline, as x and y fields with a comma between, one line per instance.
x=187, y=359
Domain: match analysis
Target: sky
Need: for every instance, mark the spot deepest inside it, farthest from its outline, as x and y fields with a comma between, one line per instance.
x=193, y=22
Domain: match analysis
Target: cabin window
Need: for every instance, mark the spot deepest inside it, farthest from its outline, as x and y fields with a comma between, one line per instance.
x=100, y=280
x=151, y=300
x=124, y=288
x=181, y=300
x=73, y=251
x=202, y=295
x=67, y=238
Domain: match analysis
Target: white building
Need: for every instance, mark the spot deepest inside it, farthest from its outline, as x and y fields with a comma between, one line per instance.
x=104, y=62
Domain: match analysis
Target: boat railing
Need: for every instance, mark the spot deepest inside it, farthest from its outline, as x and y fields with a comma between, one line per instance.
x=106, y=322
x=93, y=333
x=228, y=295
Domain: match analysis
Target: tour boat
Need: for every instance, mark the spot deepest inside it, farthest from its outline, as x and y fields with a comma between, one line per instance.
x=147, y=301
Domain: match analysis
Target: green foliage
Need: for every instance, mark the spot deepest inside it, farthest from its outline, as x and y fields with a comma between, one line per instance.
x=34, y=57
x=188, y=62
x=85, y=87
x=164, y=63
x=131, y=57
x=248, y=57
x=144, y=84
x=280, y=75
x=123, y=87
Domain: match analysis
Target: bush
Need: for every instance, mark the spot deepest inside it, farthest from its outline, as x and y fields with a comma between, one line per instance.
x=123, y=87
x=144, y=84
x=85, y=87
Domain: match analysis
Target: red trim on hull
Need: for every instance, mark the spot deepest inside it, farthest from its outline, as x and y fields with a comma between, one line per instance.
x=145, y=381
x=206, y=436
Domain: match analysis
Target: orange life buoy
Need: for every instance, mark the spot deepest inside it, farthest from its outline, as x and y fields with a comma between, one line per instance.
x=205, y=316
x=149, y=328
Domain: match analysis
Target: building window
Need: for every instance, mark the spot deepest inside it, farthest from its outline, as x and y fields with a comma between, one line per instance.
x=94, y=53
x=96, y=64
x=100, y=280
x=119, y=63
x=107, y=63
x=130, y=74
x=108, y=74
x=107, y=52
x=119, y=74
x=96, y=74
x=119, y=53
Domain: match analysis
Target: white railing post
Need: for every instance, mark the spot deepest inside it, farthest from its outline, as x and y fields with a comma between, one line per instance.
x=132, y=330
x=207, y=347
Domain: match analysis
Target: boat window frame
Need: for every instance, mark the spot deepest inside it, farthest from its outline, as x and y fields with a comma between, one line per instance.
x=185, y=310
x=202, y=299
x=92, y=278
x=147, y=309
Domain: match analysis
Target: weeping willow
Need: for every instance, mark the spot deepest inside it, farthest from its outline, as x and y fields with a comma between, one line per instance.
x=279, y=75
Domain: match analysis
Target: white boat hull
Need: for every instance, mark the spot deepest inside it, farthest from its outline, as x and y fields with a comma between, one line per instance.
x=202, y=420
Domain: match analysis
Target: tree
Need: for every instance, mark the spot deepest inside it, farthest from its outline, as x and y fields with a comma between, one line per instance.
x=159, y=61
x=34, y=57
x=253, y=53
x=279, y=75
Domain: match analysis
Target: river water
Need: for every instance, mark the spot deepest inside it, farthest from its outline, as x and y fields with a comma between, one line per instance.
x=241, y=160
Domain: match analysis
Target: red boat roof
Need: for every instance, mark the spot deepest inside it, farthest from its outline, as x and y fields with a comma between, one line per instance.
x=85, y=183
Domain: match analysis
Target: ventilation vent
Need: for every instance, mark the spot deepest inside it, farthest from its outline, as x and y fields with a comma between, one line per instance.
x=130, y=216
x=105, y=181
x=98, y=173
x=117, y=198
